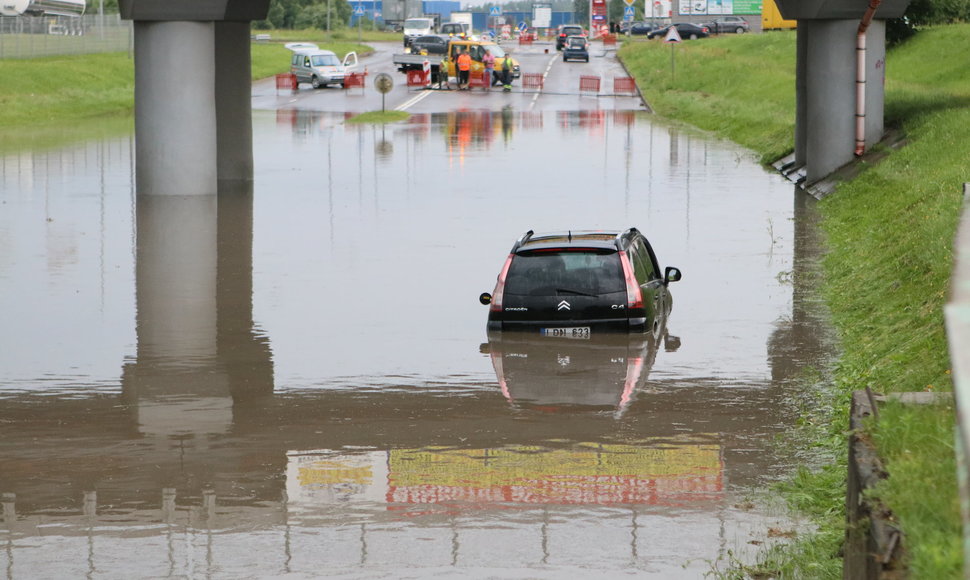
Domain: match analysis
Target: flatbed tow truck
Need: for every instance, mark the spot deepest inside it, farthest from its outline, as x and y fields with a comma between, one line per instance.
x=407, y=62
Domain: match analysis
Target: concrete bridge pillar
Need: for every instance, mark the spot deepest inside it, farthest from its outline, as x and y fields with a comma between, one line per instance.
x=826, y=93
x=193, y=117
x=233, y=95
x=825, y=84
x=175, y=108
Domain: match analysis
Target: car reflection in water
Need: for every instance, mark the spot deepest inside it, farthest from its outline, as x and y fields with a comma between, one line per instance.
x=548, y=373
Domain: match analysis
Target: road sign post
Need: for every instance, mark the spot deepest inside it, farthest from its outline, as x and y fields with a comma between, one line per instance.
x=383, y=83
x=673, y=39
x=359, y=11
x=493, y=13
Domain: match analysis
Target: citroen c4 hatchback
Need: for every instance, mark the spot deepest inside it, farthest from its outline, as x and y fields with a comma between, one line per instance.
x=574, y=284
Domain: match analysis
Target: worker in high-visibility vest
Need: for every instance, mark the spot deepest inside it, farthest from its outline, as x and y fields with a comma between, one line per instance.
x=507, y=74
x=443, y=73
x=464, y=63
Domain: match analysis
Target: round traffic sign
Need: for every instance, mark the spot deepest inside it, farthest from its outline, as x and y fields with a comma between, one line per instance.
x=383, y=83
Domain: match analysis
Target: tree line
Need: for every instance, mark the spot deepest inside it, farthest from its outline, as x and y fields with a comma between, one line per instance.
x=323, y=14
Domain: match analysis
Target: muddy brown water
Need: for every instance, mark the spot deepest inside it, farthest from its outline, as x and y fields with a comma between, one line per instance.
x=295, y=380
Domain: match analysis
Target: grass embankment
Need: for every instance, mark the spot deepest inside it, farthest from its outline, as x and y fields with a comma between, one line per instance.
x=62, y=99
x=889, y=239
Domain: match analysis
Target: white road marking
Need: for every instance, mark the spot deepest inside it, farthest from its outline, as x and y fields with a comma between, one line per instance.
x=535, y=97
x=413, y=101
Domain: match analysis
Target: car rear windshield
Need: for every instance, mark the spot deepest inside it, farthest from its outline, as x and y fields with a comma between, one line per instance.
x=569, y=272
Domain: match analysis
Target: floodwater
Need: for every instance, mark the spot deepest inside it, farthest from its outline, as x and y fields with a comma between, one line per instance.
x=295, y=380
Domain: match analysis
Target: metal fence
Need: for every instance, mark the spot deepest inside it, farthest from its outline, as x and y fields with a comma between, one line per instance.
x=37, y=36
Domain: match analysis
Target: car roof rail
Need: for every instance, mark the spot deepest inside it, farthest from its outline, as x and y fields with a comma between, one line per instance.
x=624, y=237
x=523, y=239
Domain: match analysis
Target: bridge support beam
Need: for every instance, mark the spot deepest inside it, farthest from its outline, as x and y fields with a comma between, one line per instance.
x=826, y=89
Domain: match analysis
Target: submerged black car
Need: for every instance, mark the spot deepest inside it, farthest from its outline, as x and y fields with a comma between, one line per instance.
x=573, y=284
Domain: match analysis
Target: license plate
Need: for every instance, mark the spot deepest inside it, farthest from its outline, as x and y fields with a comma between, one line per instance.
x=568, y=332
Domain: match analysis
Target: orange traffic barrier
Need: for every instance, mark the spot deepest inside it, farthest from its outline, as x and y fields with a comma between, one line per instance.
x=417, y=78
x=354, y=80
x=533, y=80
x=589, y=84
x=477, y=79
x=624, y=85
x=286, y=81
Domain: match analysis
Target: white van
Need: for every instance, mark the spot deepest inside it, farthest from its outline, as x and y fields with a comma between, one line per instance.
x=320, y=68
x=415, y=27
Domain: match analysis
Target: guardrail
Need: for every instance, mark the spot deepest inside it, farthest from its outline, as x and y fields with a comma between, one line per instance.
x=957, y=316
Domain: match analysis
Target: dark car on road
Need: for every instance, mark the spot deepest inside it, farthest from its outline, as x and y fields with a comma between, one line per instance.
x=724, y=24
x=576, y=48
x=430, y=44
x=686, y=30
x=565, y=32
x=572, y=284
x=640, y=28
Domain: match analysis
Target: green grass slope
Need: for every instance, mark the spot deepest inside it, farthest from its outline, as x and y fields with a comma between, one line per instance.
x=890, y=252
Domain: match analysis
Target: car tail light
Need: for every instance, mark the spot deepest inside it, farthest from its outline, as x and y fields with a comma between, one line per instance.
x=500, y=286
x=634, y=298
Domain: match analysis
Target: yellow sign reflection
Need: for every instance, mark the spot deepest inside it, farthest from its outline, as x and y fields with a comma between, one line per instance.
x=598, y=474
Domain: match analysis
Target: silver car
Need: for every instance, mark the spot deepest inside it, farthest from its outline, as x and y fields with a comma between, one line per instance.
x=320, y=68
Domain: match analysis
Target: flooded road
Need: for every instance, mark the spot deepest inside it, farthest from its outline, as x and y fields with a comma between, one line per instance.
x=295, y=380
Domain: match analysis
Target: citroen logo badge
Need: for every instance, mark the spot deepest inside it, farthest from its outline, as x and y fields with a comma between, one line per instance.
x=563, y=305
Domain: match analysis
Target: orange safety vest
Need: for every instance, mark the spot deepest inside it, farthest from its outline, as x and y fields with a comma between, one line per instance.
x=464, y=61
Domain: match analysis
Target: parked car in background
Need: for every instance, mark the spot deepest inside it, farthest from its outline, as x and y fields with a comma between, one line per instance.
x=415, y=27
x=686, y=30
x=724, y=24
x=576, y=48
x=572, y=284
x=430, y=44
x=640, y=28
x=567, y=30
x=459, y=29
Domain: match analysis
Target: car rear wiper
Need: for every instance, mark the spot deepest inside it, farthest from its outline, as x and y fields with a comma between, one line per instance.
x=576, y=292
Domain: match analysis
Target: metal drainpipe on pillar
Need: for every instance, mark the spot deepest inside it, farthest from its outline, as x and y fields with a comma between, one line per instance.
x=860, y=78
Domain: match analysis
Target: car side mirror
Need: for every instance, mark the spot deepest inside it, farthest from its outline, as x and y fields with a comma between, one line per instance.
x=671, y=274
x=485, y=298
